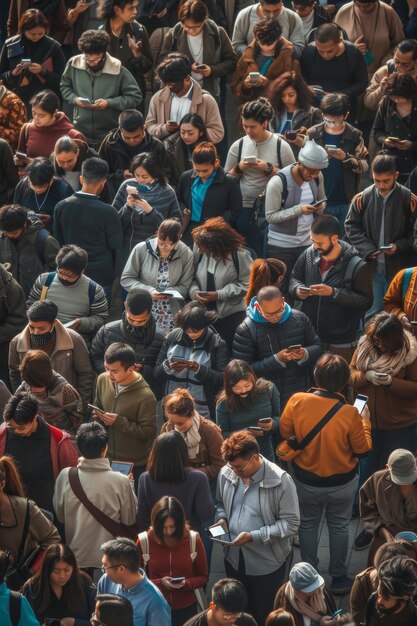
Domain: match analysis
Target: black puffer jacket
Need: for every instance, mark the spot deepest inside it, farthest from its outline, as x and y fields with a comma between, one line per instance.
x=257, y=342
x=335, y=318
x=146, y=345
x=210, y=351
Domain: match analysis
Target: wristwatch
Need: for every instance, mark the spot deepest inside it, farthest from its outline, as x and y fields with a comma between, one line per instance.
x=268, y=169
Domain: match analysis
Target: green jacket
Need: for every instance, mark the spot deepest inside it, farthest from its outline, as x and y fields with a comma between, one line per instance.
x=132, y=434
x=113, y=83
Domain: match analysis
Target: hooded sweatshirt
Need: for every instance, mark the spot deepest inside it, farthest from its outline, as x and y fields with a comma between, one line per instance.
x=40, y=140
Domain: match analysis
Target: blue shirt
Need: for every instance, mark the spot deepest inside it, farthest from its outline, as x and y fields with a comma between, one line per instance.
x=334, y=184
x=149, y=605
x=27, y=616
x=198, y=194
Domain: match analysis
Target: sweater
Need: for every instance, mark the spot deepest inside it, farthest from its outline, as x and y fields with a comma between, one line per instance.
x=38, y=141
x=264, y=404
x=109, y=491
x=132, y=434
x=12, y=116
x=194, y=495
x=44, y=202
x=395, y=303
x=322, y=464
x=175, y=561
x=93, y=225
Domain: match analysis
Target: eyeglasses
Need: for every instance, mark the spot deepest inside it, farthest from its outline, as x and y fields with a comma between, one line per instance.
x=96, y=622
x=69, y=275
x=239, y=470
x=104, y=568
x=273, y=315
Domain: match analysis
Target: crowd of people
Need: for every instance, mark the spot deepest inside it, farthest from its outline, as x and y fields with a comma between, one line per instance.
x=208, y=312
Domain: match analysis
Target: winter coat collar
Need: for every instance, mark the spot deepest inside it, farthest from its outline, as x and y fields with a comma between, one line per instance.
x=255, y=315
x=112, y=66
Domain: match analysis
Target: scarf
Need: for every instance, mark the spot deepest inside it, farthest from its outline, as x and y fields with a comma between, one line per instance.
x=369, y=357
x=314, y=607
x=192, y=437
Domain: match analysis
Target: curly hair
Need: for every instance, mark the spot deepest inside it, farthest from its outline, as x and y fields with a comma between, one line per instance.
x=217, y=237
x=106, y=7
x=94, y=42
x=398, y=577
x=268, y=31
x=401, y=86
x=241, y=443
x=280, y=84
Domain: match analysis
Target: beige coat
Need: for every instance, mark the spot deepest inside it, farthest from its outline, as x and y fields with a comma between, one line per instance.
x=376, y=89
x=201, y=102
x=109, y=491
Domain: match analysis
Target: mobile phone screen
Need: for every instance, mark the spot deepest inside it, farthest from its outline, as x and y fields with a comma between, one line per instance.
x=360, y=402
x=122, y=466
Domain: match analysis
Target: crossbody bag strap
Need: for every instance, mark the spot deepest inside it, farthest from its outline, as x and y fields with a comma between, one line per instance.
x=24, y=535
x=321, y=424
x=112, y=527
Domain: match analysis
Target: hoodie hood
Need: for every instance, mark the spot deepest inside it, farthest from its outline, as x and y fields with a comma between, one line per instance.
x=256, y=316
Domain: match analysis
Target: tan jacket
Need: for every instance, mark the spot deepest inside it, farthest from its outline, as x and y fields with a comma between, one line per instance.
x=209, y=459
x=41, y=531
x=382, y=505
x=109, y=491
x=394, y=302
x=376, y=89
x=201, y=102
x=69, y=358
x=284, y=62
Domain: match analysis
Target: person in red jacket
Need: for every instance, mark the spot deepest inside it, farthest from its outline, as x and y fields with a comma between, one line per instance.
x=174, y=558
x=40, y=450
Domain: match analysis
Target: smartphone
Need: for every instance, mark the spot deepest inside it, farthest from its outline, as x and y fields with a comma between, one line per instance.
x=250, y=159
x=52, y=621
x=172, y=122
x=413, y=324
x=318, y=90
x=202, y=293
x=264, y=420
x=202, y=66
x=85, y=101
x=330, y=147
x=224, y=538
x=304, y=289
x=217, y=531
x=389, y=247
x=254, y=75
x=255, y=429
x=175, y=357
x=20, y=155
x=177, y=579
x=336, y=613
x=291, y=134
x=393, y=139
x=317, y=202
x=360, y=402
x=132, y=191
x=68, y=324
x=296, y=346
x=124, y=467
x=26, y=61
x=95, y=408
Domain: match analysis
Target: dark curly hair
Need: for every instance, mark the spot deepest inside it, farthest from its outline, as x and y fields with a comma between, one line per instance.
x=289, y=79
x=402, y=86
x=217, y=237
x=267, y=31
x=106, y=7
x=94, y=42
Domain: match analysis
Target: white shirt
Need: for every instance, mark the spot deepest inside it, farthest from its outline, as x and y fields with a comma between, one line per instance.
x=196, y=47
x=307, y=23
x=180, y=106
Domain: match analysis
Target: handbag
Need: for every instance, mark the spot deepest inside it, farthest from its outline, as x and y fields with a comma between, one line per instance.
x=290, y=448
x=114, y=528
x=20, y=573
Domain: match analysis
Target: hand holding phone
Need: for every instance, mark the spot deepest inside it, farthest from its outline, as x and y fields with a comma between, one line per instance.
x=318, y=202
x=360, y=402
x=95, y=408
x=254, y=76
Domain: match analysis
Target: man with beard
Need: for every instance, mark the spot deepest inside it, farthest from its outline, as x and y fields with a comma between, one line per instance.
x=137, y=328
x=65, y=347
x=82, y=304
x=392, y=604
x=334, y=285
x=98, y=87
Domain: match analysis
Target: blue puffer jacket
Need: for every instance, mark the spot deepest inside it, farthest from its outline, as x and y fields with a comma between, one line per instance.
x=257, y=341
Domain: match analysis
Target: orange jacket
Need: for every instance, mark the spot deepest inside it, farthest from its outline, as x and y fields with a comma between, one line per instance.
x=330, y=458
x=393, y=299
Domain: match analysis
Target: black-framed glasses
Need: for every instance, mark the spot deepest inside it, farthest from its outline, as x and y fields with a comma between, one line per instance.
x=104, y=568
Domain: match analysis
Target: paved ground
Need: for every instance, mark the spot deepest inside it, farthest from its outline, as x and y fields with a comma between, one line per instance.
x=356, y=560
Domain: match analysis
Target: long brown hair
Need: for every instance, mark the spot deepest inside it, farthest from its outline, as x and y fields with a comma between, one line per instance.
x=262, y=273
x=72, y=592
x=235, y=371
x=10, y=474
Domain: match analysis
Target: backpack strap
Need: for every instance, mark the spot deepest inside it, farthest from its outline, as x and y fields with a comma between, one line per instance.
x=284, y=194
x=406, y=279
x=193, y=545
x=92, y=286
x=47, y=284
x=40, y=243
x=239, y=149
x=279, y=149
x=291, y=22
x=353, y=265
x=144, y=546
x=15, y=607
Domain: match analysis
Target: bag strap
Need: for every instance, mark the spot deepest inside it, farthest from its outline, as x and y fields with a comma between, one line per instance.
x=350, y=270
x=91, y=291
x=193, y=545
x=24, y=535
x=279, y=151
x=40, y=243
x=144, y=545
x=405, y=283
x=239, y=149
x=112, y=527
x=321, y=424
x=15, y=607
x=47, y=284
x=284, y=194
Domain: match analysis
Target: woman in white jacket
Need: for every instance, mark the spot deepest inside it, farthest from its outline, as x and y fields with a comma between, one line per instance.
x=221, y=274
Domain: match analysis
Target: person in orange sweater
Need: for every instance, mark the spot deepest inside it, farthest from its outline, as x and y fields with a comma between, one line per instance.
x=326, y=470
x=401, y=297
x=174, y=558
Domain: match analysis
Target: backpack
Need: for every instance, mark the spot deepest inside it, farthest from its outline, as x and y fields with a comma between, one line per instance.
x=15, y=607
x=405, y=282
x=355, y=263
x=40, y=244
x=51, y=275
x=144, y=544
